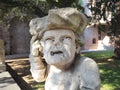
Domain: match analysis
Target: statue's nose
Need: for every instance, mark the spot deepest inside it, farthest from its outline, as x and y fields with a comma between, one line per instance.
x=57, y=42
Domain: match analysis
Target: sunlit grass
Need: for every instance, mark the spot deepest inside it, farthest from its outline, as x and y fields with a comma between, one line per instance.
x=99, y=54
x=107, y=87
x=109, y=69
x=38, y=86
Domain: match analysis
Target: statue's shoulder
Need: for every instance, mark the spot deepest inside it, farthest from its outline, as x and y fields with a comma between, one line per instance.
x=88, y=71
x=85, y=62
x=83, y=59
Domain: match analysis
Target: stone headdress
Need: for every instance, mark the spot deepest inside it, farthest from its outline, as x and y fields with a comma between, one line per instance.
x=63, y=18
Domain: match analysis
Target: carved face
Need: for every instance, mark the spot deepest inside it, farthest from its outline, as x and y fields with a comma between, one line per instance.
x=59, y=47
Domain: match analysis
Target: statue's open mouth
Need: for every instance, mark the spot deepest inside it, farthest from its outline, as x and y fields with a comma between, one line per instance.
x=55, y=53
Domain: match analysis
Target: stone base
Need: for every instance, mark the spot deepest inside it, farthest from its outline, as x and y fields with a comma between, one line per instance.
x=2, y=67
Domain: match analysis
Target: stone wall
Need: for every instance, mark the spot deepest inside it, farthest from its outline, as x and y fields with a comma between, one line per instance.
x=2, y=56
x=16, y=38
x=19, y=37
x=4, y=35
x=91, y=38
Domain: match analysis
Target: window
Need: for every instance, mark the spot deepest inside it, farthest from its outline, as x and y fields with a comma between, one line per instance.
x=99, y=35
x=94, y=41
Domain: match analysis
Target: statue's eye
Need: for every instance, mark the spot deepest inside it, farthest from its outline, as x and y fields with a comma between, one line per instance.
x=67, y=38
x=49, y=39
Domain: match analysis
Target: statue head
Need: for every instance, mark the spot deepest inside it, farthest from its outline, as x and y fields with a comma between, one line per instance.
x=60, y=35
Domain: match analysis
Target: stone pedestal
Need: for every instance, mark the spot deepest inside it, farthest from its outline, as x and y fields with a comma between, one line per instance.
x=2, y=56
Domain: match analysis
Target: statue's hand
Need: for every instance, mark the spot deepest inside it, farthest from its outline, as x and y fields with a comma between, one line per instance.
x=36, y=48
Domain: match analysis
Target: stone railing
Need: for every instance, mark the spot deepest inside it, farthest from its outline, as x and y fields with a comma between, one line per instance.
x=2, y=56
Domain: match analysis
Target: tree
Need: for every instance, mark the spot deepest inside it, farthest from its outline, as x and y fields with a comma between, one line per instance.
x=25, y=10
x=20, y=8
x=29, y=8
x=108, y=11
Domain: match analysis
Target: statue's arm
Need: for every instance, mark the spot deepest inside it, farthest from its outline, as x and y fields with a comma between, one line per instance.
x=38, y=67
x=90, y=78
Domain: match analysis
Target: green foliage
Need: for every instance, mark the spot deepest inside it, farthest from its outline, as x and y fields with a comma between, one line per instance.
x=30, y=8
x=19, y=8
x=102, y=9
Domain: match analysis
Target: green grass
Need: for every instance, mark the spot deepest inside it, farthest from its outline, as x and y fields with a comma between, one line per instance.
x=38, y=86
x=109, y=69
x=99, y=54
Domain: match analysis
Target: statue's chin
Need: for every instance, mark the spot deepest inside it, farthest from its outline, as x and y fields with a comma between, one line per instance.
x=63, y=65
x=59, y=60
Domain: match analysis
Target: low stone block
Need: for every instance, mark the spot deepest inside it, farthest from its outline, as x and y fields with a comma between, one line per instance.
x=2, y=56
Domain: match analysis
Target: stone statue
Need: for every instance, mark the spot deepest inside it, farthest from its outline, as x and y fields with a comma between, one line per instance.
x=55, y=52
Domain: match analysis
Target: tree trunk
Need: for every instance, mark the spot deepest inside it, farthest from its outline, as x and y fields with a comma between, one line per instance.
x=117, y=35
x=117, y=47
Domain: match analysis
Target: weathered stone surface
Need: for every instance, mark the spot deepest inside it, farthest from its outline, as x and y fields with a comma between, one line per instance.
x=16, y=38
x=19, y=37
x=57, y=39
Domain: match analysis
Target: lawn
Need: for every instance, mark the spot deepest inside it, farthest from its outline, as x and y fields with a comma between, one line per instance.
x=109, y=69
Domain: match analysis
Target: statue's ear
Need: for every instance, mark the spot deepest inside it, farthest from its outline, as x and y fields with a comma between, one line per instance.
x=77, y=48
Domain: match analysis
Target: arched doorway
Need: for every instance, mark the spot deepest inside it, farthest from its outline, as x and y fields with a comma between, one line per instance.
x=19, y=37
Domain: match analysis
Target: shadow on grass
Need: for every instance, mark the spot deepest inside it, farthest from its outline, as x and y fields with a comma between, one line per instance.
x=109, y=69
x=110, y=75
